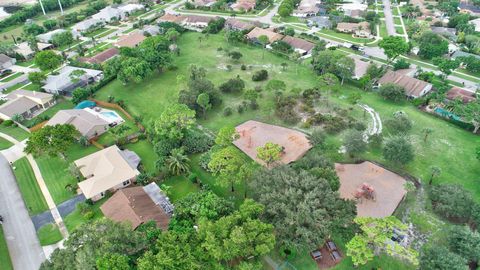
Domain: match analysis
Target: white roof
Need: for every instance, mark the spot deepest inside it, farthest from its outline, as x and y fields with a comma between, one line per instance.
x=63, y=80
x=131, y=7
x=104, y=170
x=86, y=24
x=108, y=13
x=47, y=37
x=354, y=6
x=25, y=50
x=476, y=23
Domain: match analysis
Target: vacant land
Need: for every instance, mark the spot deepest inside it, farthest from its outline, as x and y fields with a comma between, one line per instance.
x=31, y=193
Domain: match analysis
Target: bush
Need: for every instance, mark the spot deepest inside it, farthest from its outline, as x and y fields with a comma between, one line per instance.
x=401, y=64
x=234, y=85
x=240, y=108
x=243, y=67
x=89, y=215
x=193, y=178
x=284, y=109
x=318, y=137
x=392, y=92
x=260, y=75
x=204, y=160
x=452, y=201
x=8, y=123
x=400, y=123
x=197, y=141
x=227, y=111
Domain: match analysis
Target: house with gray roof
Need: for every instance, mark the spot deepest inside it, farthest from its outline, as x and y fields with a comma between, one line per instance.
x=6, y=62
x=47, y=37
x=68, y=79
x=109, y=14
x=25, y=103
x=87, y=25
x=24, y=49
x=319, y=22
x=458, y=54
x=88, y=124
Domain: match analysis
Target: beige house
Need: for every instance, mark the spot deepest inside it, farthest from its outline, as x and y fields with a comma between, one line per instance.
x=109, y=169
x=131, y=40
x=414, y=88
x=361, y=30
x=301, y=46
x=25, y=103
x=87, y=123
x=257, y=32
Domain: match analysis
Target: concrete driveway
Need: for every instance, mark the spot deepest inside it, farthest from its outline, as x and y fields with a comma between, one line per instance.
x=23, y=245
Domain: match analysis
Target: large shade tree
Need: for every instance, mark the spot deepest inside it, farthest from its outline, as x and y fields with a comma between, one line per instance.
x=51, y=140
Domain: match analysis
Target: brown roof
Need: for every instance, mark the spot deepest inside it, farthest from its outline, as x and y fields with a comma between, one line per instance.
x=257, y=32
x=172, y=18
x=101, y=57
x=413, y=87
x=299, y=43
x=244, y=4
x=347, y=26
x=131, y=40
x=459, y=93
x=135, y=206
x=198, y=19
x=237, y=24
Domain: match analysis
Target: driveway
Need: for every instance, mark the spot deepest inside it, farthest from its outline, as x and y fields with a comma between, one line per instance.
x=387, y=11
x=22, y=241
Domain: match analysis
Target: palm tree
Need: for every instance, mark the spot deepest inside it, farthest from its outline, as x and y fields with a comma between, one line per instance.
x=435, y=171
x=177, y=162
x=427, y=131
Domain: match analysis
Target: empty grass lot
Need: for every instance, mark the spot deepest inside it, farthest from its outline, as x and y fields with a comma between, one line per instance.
x=49, y=234
x=31, y=193
x=5, y=261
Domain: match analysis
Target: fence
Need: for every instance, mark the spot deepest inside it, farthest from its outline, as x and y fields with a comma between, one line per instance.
x=38, y=126
x=117, y=107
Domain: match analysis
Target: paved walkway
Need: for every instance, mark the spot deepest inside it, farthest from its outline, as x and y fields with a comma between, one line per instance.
x=23, y=245
x=43, y=187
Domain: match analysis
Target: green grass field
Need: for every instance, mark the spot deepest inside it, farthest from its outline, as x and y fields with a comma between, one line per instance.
x=75, y=219
x=399, y=30
x=6, y=263
x=397, y=20
x=31, y=193
x=345, y=36
x=144, y=149
x=11, y=77
x=4, y=144
x=16, y=132
x=49, y=234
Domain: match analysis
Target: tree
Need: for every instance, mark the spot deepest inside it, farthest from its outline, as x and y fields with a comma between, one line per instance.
x=303, y=208
x=76, y=74
x=113, y=261
x=18, y=118
x=36, y=77
x=47, y=60
x=33, y=29
x=276, y=85
x=466, y=243
x=326, y=61
x=263, y=40
x=392, y=92
x=438, y=257
x=393, y=46
x=435, y=171
x=426, y=131
x=133, y=69
x=62, y=39
x=398, y=150
x=471, y=114
x=235, y=55
x=401, y=64
x=174, y=121
x=354, y=142
x=50, y=24
x=445, y=65
x=51, y=140
x=269, y=153
x=97, y=242
x=226, y=135
x=226, y=163
x=172, y=34
x=234, y=85
x=432, y=45
x=376, y=234
x=344, y=68
x=400, y=123
x=452, y=201
x=203, y=100
x=155, y=51
x=119, y=132
x=177, y=162
x=238, y=236
x=477, y=152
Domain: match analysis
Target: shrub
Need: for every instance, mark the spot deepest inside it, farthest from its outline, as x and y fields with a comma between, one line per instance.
x=8, y=123
x=260, y=75
x=452, y=201
x=197, y=141
x=204, y=160
x=227, y=111
x=234, y=85
x=193, y=178
x=243, y=67
x=317, y=138
x=240, y=108
x=89, y=215
x=392, y=92
x=401, y=64
x=284, y=109
x=400, y=123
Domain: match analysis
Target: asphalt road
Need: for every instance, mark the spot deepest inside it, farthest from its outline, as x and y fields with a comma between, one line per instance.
x=23, y=245
x=387, y=11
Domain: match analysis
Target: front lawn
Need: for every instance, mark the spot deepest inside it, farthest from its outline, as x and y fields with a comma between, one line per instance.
x=55, y=171
x=96, y=32
x=4, y=254
x=345, y=36
x=399, y=30
x=397, y=21
x=4, y=144
x=11, y=77
x=75, y=219
x=16, y=132
x=31, y=193
x=49, y=234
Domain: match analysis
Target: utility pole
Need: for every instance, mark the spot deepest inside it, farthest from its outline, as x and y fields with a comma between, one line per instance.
x=41, y=5
x=60, y=5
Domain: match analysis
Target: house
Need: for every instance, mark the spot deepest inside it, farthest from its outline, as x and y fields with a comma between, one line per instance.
x=109, y=14
x=196, y=22
x=130, y=40
x=244, y=5
x=414, y=88
x=65, y=82
x=129, y=9
x=238, y=25
x=320, y=22
x=25, y=103
x=6, y=63
x=476, y=23
x=173, y=18
x=88, y=124
x=109, y=169
x=459, y=93
x=257, y=32
x=87, y=25
x=24, y=49
x=152, y=30
x=47, y=37
x=361, y=67
x=450, y=33
x=203, y=3
x=254, y=134
x=469, y=7
x=101, y=57
x=299, y=45
x=137, y=205
x=361, y=29
x=306, y=8
x=354, y=10
x=460, y=54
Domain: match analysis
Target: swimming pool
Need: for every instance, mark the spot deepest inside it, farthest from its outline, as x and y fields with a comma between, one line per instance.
x=111, y=116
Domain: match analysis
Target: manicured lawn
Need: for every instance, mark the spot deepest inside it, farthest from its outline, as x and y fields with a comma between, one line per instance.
x=144, y=149
x=31, y=193
x=395, y=11
x=180, y=187
x=128, y=30
x=25, y=63
x=11, y=77
x=32, y=87
x=75, y=219
x=4, y=144
x=4, y=254
x=96, y=32
x=396, y=20
x=13, y=87
x=399, y=30
x=55, y=171
x=383, y=29
x=98, y=48
x=15, y=132
x=348, y=37
x=49, y=234
x=106, y=33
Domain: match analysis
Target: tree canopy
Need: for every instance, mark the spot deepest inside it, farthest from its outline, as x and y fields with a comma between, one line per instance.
x=51, y=140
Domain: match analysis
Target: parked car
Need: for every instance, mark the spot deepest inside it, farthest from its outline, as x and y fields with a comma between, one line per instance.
x=316, y=255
